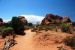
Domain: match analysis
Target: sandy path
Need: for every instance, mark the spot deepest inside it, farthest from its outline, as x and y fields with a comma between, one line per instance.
x=26, y=43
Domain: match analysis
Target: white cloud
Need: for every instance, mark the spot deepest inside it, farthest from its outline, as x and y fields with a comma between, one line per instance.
x=33, y=18
x=6, y=20
x=30, y=18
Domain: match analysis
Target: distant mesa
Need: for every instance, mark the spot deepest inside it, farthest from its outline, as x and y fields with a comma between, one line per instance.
x=54, y=19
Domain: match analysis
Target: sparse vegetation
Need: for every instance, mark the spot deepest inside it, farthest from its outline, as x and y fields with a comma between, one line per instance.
x=70, y=41
x=65, y=27
x=5, y=31
x=43, y=27
x=30, y=24
x=42, y=34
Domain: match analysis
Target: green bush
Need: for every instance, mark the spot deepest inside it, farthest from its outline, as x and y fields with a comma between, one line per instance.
x=1, y=20
x=65, y=27
x=70, y=41
x=17, y=25
x=4, y=31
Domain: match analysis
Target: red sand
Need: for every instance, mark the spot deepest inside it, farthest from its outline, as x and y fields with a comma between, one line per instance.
x=31, y=41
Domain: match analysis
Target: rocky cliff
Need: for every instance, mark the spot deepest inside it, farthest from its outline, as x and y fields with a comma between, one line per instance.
x=54, y=19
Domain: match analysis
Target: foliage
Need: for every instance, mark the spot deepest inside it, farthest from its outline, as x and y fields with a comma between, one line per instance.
x=43, y=27
x=70, y=41
x=30, y=24
x=17, y=25
x=65, y=27
x=4, y=31
x=33, y=30
x=1, y=20
x=8, y=24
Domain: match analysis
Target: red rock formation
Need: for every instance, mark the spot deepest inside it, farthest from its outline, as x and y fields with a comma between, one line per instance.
x=55, y=19
x=66, y=19
x=23, y=19
x=51, y=19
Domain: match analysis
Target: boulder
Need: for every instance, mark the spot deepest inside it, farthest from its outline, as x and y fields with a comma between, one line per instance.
x=51, y=19
x=23, y=19
x=66, y=19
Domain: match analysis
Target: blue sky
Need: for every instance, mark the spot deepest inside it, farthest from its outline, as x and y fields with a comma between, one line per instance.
x=9, y=8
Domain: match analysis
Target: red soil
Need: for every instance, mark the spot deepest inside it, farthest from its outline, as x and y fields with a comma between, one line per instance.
x=37, y=41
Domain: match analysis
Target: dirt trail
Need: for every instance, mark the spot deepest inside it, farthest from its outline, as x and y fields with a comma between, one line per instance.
x=26, y=42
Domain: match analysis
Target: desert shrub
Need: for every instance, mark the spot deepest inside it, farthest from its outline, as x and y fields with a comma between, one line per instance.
x=65, y=27
x=33, y=30
x=1, y=20
x=5, y=31
x=18, y=26
x=43, y=27
x=1, y=29
x=30, y=24
x=49, y=27
x=8, y=24
x=70, y=41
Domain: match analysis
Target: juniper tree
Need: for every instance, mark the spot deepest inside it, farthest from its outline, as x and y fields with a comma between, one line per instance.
x=17, y=25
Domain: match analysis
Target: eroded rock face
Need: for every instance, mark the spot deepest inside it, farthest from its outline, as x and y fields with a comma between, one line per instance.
x=55, y=19
x=23, y=19
x=51, y=19
x=66, y=19
x=45, y=22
